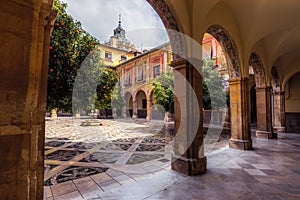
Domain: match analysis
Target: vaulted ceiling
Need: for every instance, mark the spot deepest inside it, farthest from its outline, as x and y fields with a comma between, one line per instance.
x=271, y=28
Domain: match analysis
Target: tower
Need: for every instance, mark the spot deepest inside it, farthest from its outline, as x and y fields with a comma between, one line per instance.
x=119, y=40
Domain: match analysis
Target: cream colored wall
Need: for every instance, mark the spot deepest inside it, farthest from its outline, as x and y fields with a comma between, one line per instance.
x=292, y=94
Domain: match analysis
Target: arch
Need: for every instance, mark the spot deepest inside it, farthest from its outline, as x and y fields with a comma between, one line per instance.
x=288, y=77
x=229, y=48
x=165, y=14
x=259, y=72
x=275, y=79
x=128, y=99
x=168, y=18
x=141, y=104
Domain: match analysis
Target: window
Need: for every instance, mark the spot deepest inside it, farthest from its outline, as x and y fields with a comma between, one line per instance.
x=127, y=77
x=123, y=58
x=156, y=71
x=108, y=56
x=140, y=73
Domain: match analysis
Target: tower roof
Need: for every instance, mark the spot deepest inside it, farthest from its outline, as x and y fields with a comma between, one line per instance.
x=119, y=31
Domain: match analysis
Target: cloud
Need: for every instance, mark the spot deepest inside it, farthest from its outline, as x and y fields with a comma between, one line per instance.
x=100, y=18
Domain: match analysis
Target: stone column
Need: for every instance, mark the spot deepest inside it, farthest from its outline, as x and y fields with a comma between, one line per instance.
x=124, y=111
x=239, y=111
x=149, y=111
x=24, y=46
x=264, y=113
x=188, y=156
x=135, y=109
x=279, y=111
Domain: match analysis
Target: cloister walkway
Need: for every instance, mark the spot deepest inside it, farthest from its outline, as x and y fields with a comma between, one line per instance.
x=270, y=171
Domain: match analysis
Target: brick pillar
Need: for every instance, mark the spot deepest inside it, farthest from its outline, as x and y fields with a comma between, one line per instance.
x=149, y=104
x=264, y=113
x=279, y=111
x=124, y=111
x=135, y=109
x=188, y=156
x=24, y=37
x=239, y=111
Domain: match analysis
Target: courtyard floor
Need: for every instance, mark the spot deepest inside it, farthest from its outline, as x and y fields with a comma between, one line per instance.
x=125, y=159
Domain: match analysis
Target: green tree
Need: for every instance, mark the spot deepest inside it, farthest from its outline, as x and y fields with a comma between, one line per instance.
x=96, y=85
x=163, y=91
x=108, y=92
x=69, y=45
x=117, y=99
x=87, y=80
x=213, y=93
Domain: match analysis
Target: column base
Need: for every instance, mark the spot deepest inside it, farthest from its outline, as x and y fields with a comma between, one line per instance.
x=227, y=125
x=279, y=129
x=190, y=167
x=240, y=144
x=266, y=135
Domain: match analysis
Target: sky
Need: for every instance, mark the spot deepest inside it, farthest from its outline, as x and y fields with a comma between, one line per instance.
x=100, y=17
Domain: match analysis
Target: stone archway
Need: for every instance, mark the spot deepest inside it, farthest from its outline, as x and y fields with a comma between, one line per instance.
x=238, y=85
x=128, y=108
x=263, y=99
x=27, y=37
x=229, y=48
x=275, y=79
x=140, y=104
x=259, y=71
x=168, y=18
x=278, y=102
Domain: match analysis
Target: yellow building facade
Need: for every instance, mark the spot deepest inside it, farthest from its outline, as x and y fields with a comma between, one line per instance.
x=112, y=56
x=118, y=49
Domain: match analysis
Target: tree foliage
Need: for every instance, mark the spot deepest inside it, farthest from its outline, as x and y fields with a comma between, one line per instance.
x=213, y=94
x=163, y=91
x=69, y=45
x=95, y=84
x=108, y=92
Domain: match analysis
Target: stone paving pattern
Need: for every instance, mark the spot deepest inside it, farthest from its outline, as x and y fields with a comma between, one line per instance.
x=270, y=171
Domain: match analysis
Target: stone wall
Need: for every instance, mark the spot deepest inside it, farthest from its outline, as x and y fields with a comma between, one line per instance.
x=292, y=122
x=24, y=36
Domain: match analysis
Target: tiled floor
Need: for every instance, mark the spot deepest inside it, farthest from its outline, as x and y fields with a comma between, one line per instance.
x=270, y=171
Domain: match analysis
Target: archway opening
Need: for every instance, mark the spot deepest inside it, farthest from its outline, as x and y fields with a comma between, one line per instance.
x=260, y=98
x=128, y=105
x=216, y=100
x=278, y=103
x=141, y=104
x=69, y=144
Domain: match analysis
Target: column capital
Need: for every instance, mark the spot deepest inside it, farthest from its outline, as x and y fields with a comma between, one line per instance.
x=278, y=93
x=187, y=63
x=179, y=63
x=237, y=80
x=263, y=87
